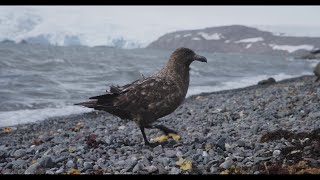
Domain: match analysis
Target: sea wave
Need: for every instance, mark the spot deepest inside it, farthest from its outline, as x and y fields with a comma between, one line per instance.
x=11, y=118
x=239, y=83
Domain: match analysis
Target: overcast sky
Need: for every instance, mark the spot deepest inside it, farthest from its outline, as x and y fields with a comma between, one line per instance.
x=196, y=15
x=149, y=22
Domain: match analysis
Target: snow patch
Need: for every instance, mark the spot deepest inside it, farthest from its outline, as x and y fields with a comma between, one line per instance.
x=215, y=36
x=248, y=46
x=291, y=48
x=250, y=40
x=196, y=38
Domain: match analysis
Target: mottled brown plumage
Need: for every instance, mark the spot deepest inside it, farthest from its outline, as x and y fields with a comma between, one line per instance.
x=148, y=99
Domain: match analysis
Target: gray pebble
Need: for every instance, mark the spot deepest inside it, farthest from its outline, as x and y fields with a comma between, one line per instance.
x=70, y=164
x=151, y=169
x=60, y=171
x=130, y=164
x=164, y=161
x=179, y=154
x=158, y=149
x=221, y=143
x=109, y=140
x=32, y=168
x=307, y=148
x=170, y=153
x=213, y=169
x=205, y=154
x=19, y=153
x=46, y=162
x=2, y=164
x=175, y=170
x=137, y=168
x=49, y=172
x=111, y=152
x=227, y=163
x=87, y=165
x=145, y=162
x=241, y=143
x=19, y=164
x=161, y=169
x=96, y=167
x=314, y=114
x=276, y=152
x=60, y=159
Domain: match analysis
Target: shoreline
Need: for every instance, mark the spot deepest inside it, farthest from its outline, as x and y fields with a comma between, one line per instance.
x=252, y=86
x=219, y=131
x=190, y=98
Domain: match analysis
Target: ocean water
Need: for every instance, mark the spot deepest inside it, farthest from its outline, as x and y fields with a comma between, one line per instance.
x=42, y=81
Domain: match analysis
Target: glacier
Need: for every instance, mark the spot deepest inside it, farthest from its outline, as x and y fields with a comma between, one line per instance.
x=105, y=26
x=27, y=24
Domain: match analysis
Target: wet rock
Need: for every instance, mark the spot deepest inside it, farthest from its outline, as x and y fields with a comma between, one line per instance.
x=267, y=81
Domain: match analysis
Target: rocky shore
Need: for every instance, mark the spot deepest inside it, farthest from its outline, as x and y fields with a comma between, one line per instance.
x=262, y=129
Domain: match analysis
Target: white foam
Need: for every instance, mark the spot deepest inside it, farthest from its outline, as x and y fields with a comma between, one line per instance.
x=186, y=35
x=214, y=36
x=290, y=48
x=177, y=36
x=239, y=83
x=11, y=118
x=250, y=40
x=313, y=62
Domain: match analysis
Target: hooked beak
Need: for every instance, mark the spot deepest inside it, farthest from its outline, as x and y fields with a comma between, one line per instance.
x=200, y=58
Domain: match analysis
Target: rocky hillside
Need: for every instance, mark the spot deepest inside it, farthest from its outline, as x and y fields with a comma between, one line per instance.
x=237, y=39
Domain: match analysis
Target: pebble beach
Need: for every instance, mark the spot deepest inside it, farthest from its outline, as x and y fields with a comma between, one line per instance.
x=252, y=130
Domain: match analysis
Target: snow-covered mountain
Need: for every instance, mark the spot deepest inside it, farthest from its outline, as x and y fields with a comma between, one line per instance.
x=36, y=27
x=111, y=26
x=237, y=39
